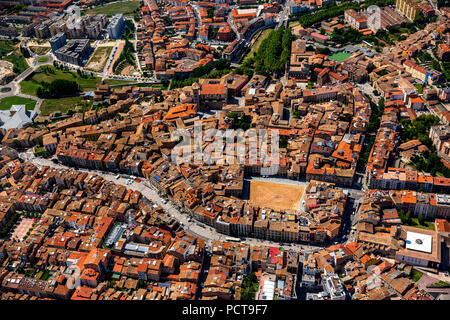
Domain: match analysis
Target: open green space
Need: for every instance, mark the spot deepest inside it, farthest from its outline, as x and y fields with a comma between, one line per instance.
x=419, y=87
x=415, y=275
x=29, y=87
x=45, y=275
x=422, y=224
x=293, y=23
x=272, y=55
x=418, y=128
x=340, y=56
x=126, y=8
x=43, y=59
x=18, y=61
x=249, y=287
x=6, y=103
x=417, y=222
x=112, y=82
x=64, y=105
x=349, y=35
x=428, y=161
x=6, y=46
x=128, y=32
x=6, y=228
x=263, y=35
x=243, y=122
x=439, y=284
x=40, y=51
x=44, y=75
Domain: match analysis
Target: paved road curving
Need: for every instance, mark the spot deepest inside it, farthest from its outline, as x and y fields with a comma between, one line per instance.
x=151, y=193
x=14, y=85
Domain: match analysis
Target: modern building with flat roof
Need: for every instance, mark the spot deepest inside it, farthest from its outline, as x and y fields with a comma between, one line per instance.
x=116, y=26
x=75, y=52
x=422, y=248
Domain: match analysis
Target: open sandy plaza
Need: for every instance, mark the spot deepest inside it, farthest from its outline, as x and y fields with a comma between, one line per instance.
x=278, y=196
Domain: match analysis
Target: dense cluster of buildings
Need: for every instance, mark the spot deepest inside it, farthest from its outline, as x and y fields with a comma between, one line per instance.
x=46, y=19
x=166, y=55
x=385, y=17
x=165, y=41
x=119, y=244
x=126, y=247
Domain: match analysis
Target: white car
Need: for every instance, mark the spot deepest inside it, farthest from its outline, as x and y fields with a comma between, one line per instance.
x=118, y=176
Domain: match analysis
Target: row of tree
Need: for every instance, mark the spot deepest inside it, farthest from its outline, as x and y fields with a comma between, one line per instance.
x=58, y=88
x=418, y=128
x=374, y=125
x=430, y=162
x=126, y=54
x=406, y=218
x=307, y=19
x=249, y=287
x=273, y=53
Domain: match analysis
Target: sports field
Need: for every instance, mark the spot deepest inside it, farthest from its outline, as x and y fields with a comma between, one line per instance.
x=275, y=195
x=340, y=56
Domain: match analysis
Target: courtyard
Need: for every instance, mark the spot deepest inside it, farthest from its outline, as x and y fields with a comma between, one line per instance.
x=277, y=196
x=22, y=228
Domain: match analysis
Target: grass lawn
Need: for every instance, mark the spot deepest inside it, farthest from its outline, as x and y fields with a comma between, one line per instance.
x=64, y=104
x=439, y=284
x=340, y=56
x=160, y=85
x=31, y=85
x=7, y=46
x=6, y=103
x=126, y=8
x=85, y=83
x=428, y=225
x=17, y=59
x=415, y=275
x=46, y=275
x=264, y=34
x=419, y=88
x=43, y=59
x=40, y=51
x=117, y=82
